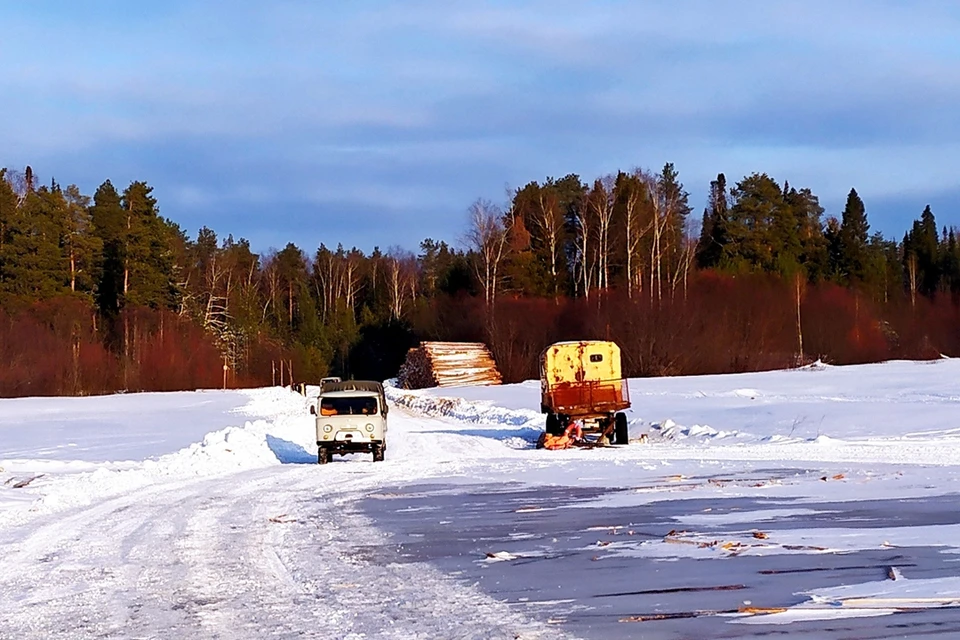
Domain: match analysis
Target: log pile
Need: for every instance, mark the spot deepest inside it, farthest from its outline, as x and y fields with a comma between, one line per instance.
x=448, y=364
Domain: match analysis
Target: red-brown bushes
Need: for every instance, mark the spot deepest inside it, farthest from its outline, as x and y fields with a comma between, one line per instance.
x=723, y=324
x=52, y=348
x=167, y=353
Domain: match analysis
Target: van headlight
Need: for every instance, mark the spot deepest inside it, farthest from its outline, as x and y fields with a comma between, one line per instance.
x=369, y=427
x=327, y=428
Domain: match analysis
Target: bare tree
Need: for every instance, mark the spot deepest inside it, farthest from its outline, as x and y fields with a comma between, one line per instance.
x=548, y=218
x=799, y=286
x=270, y=283
x=632, y=193
x=913, y=278
x=487, y=236
x=583, y=248
x=658, y=224
x=681, y=274
x=668, y=235
x=401, y=277
x=601, y=203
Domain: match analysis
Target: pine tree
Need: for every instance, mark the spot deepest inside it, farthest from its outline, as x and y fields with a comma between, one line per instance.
x=950, y=262
x=853, y=240
x=751, y=226
x=713, y=234
x=8, y=213
x=808, y=249
x=108, y=224
x=34, y=270
x=921, y=254
x=292, y=273
x=82, y=249
x=148, y=249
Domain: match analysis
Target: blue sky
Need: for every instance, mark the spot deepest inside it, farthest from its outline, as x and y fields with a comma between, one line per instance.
x=376, y=123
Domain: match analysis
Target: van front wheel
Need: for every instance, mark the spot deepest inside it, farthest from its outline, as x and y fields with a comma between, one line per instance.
x=378, y=453
x=323, y=455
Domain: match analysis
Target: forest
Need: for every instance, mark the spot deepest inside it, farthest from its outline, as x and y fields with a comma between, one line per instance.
x=101, y=293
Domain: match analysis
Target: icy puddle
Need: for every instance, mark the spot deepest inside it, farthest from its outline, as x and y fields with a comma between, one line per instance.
x=737, y=567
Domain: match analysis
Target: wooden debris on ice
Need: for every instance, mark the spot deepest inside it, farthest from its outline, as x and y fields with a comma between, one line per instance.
x=448, y=364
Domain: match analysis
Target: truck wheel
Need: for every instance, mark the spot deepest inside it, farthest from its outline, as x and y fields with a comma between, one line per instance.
x=377, y=454
x=554, y=425
x=323, y=455
x=621, y=435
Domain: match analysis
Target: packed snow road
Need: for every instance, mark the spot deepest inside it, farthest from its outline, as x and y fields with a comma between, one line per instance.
x=802, y=502
x=269, y=551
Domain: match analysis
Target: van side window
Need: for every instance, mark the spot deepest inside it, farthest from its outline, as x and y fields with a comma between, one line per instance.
x=327, y=408
x=596, y=357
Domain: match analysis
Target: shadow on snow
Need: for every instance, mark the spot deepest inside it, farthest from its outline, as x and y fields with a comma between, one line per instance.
x=289, y=452
x=524, y=433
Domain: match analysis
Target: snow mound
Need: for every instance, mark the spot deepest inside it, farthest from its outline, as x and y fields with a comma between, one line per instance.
x=256, y=444
x=670, y=430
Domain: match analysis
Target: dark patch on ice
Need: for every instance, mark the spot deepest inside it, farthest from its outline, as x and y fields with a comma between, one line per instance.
x=555, y=568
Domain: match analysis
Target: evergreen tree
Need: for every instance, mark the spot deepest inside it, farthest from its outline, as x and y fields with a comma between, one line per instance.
x=713, y=234
x=292, y=273
x=148, y=266
x=922, y=245
x=676, y=197
x=831, y=236
x=808, y=249
x=751, y=226
x=853, y=240
x=108, y=223
x=950, y=262
x=537, y=237
x=8, y=214
x=82, y=248
x=34, y=270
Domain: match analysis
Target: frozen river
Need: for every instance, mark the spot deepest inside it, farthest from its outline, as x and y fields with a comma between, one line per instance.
x=556, y=555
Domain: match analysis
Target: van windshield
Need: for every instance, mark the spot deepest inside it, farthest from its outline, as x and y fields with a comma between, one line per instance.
x=362, y=406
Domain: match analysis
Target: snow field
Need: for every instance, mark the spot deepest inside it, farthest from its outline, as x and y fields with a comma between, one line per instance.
x=202, y=514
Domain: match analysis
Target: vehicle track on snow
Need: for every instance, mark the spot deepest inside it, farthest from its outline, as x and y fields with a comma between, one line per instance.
x=271, y=552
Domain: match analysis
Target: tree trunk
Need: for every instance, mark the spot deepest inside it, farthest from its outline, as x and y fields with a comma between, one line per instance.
x=799, y=291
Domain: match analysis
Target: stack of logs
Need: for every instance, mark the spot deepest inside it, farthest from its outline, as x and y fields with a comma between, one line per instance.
x=448, y=364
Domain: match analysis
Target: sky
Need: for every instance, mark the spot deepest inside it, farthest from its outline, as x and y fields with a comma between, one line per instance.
x=378, y=123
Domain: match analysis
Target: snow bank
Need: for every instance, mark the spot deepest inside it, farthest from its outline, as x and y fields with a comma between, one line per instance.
x=250, y=444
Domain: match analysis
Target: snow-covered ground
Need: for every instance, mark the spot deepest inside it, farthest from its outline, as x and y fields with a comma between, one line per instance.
x=203, y=514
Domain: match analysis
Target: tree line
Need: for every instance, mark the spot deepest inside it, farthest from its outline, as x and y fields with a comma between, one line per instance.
x=101, y=293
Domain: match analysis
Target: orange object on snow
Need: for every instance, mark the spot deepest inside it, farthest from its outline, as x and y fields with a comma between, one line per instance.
x=571, y=436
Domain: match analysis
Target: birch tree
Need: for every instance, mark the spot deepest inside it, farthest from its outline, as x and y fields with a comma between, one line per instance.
x=548, y=223
x=487, y=237
x=600, y=202
x=631, y=193
x=401, y=277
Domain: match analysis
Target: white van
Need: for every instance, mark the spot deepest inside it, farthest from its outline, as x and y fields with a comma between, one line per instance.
x=351, y=417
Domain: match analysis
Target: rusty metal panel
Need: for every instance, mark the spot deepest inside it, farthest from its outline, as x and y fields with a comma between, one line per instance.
x=582, y=378
x=578, y=362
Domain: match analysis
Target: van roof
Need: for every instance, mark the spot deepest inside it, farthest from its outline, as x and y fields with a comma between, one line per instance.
x=369, y=386
x=351, y=393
